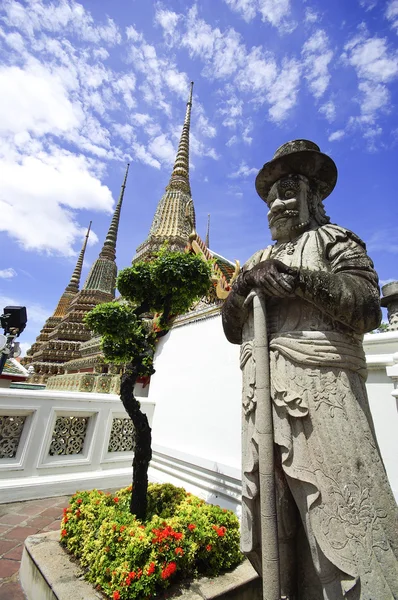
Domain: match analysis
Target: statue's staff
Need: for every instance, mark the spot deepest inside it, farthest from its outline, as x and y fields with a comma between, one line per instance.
x=264, y=426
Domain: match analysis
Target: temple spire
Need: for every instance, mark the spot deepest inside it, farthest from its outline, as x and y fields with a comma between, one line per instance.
x=102, y=276
x=179, y=179
x=207, y=240
x=109, y=247
x=174, y=217
x=73, y=285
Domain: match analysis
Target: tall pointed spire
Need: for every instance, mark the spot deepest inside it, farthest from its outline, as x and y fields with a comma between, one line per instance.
x=102, y=276
x=179, y=179
x=171, y=222
x=207, y=240
x=73, y=285
x=109, y=247
x=71, y=291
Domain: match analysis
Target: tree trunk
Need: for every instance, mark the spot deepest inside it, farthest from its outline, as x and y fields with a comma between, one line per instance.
x=143, y=439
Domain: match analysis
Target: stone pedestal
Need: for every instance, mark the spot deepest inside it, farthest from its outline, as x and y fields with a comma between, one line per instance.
x=48, y=573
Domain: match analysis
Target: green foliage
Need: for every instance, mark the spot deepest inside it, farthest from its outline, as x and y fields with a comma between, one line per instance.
x=381, y=328
x=128, y=560
x=172, y=281
x=124, y=334
x=168, y=285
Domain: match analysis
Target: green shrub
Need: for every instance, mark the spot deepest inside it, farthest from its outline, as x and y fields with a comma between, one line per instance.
x=129, y=559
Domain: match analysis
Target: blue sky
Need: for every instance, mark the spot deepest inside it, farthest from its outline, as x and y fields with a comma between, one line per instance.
x=86, y=87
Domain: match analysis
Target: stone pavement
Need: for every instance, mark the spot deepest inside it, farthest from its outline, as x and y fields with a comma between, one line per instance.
x=18, y=520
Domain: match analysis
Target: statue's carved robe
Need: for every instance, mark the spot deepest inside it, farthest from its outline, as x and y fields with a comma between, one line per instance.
x=322, y=423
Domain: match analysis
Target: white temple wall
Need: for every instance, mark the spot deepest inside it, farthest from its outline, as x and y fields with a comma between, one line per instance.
x=197, y=395
x=194, y=408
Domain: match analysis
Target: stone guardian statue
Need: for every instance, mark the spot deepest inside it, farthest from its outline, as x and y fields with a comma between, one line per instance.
x=336, y=514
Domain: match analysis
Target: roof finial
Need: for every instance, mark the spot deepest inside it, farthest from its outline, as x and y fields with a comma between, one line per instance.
x=207, y=240
x=109, y=247
x=179, y=179
x=73, y=285
x=190, y=94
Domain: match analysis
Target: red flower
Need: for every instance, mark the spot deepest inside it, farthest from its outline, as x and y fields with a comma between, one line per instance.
x=177, y=535
x=66, y=519
x=116, y=499
x=123, y=527
x=221, y=531
x=151, y=569
x=64, y=511
x=208, y=547
x=179, y=551
x=116, y=595
x=191, y=526
x=79, y=500
x=64, y=533
x=169, y=570
x=78, y=513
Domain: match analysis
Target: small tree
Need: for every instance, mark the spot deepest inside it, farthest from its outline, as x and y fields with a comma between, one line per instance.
x=154, y=293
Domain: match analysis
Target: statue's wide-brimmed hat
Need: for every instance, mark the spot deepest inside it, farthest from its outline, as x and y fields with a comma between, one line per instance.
x=299, y=157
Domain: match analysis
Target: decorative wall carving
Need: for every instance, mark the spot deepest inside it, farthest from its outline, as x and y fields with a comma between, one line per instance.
x=122, y=436
x=68, y=435
x=11, y=428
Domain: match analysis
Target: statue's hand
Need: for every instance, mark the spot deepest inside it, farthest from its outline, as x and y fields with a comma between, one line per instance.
x=271, y=276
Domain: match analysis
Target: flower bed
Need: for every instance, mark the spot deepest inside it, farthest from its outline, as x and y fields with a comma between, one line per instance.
x=126, y=559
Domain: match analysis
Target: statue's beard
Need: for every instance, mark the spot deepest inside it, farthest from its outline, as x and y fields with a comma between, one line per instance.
x=279, y=227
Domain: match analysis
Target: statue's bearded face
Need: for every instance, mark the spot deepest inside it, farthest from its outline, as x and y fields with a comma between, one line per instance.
x=289, y=213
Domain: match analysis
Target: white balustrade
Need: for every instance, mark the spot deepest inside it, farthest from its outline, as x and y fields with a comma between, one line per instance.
x=53, y=443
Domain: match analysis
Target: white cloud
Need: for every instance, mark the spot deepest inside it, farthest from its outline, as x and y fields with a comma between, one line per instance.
x=40, y=194
x=206, y=129
x=140, y=118
x=383, y=241
x=247, y=8
x=368, y=4
x=376, y=66
x=317, y=56
x=7, y=273
x=329, y=110
x=34, y=100
x=162, y=148
x=243, y=171
x=275, y=12
x=336, y=135
x=311, y=16
x=259, y=72
x=168, y=20
x=283, y=93
x=67, y=16
x=392, y=13
x=372, y=58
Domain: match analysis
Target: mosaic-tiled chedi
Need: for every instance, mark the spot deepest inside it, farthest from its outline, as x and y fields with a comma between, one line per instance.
x=63, y=342
x=174, y=221
x=41, y=351
x=175, y=213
